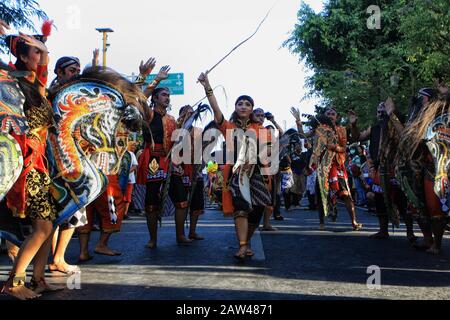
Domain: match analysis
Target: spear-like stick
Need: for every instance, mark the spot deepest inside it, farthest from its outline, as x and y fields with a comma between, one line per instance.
x=242, y=42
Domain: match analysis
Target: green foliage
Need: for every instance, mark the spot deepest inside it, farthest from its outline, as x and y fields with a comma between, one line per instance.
x=19, y=14
x=356, y=67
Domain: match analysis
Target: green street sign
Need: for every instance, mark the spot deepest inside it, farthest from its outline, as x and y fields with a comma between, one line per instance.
x=175, y=82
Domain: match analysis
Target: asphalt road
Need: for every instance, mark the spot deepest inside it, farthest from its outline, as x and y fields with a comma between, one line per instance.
x=297, y=262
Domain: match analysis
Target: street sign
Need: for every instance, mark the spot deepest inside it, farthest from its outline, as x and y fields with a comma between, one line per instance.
x=175, y=82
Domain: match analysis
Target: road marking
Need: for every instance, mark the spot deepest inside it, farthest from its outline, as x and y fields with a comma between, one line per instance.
x=257, y=247
x=408, y=269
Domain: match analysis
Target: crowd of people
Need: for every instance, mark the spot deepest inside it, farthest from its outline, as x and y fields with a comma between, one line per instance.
x=328, y=163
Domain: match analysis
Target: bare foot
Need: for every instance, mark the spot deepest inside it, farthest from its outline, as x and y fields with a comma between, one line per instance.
x=422, y=245
x=151, y=245
x=41, y=286
x=196, y=236
x=15, y=287
x=380, y=235
x=268, y=228
x=84, y=257
x=433, y=250
x=183, y=240
x=106, y=251
x=63, y=267
x=13, y=250
x=20, y=292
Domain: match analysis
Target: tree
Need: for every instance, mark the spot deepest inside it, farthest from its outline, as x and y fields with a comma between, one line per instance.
x=425, y=25
x=356, y=67
x=19, y=14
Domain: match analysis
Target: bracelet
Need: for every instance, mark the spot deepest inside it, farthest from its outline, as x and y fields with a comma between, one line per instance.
x=209, y=92
x=140, y=80
x=154, y=83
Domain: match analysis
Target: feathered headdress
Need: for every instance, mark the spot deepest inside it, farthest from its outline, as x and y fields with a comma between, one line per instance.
x=13, y=40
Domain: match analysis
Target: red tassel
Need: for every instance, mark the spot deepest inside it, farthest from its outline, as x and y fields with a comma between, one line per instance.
x=47, y=28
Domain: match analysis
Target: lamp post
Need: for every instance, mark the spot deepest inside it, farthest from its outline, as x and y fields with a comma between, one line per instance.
x=105, y=32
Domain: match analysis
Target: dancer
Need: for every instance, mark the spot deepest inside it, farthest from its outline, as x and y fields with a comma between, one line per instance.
x=66, y=68
x=384, y=138
x=154, y=166
x=193, y=176
x=418, y=169
x=247, y=212
x=260, y=116
x=329, y=157
x=30, y=196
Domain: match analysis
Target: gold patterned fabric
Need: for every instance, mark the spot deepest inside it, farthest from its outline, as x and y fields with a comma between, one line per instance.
x=40, y=117
x=30, y=196
x=40, y=203
x=323, y=158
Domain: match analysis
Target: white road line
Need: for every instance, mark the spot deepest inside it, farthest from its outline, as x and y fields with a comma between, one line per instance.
x=257, y=247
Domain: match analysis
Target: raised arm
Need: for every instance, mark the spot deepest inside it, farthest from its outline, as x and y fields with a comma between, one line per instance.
x=356, y=134
x=95, y=58
x=390, y=108
x=271, y=118
x=144, y=70
x=298, y=121
x=296, y=113
x=42, y=70
x=162, y=75
x=204, y=81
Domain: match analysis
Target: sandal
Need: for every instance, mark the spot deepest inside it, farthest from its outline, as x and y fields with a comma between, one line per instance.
x=357, y=227
x=18, y=284
x=242, y=253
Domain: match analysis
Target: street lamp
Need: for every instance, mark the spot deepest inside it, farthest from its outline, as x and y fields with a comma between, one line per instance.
x=105, y=32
